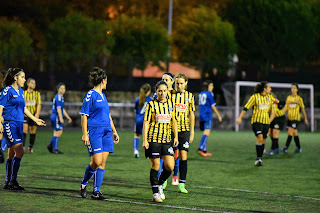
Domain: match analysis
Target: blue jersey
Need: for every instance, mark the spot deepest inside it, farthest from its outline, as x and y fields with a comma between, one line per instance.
x=140, y=112
x=13, y=103
x=58, y=101
x=206, y=101
x=96, y=107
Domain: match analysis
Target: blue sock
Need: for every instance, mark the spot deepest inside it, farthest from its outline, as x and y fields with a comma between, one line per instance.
x=15, y=165
x=176, y=167
x=3, y=145
x=88, y=174
x=160, y=168
x=8, y=170
x=203, y=142
x=54, y=143
x=98, y=178
x=136, y=144
x=205, y=145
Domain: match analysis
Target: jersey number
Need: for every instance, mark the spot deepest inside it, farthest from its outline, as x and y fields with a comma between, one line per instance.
x=202, y=99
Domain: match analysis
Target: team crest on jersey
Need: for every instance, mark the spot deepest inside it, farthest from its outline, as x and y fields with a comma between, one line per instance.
x=170, y=109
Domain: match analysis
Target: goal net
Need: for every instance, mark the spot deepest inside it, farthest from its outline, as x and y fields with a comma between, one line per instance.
x=244, y=89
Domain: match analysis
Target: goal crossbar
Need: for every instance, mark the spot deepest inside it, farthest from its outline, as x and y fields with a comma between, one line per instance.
x=276, y=85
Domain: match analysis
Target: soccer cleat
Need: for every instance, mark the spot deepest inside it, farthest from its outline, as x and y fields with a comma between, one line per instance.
x=83, y=190
x=203, y=154
x=285, y=150
x=136, y=153
x=164, y=185
x=208, y=154
x=98, y=196
x=30, y=150
x=156, y=198
x=298, y=151
x=271, y=152
x=162, y=196
x=277, y=151
x=182, y=188
x=50, y=148
x=258, y=162
x=15, y=186
x=57, y=152
x=6, y=186
x=175, y=180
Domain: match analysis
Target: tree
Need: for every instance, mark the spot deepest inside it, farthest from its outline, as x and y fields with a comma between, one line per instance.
x=202, y=35
x=79, y=37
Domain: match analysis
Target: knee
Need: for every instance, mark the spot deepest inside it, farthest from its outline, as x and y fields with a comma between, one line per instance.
x=169, y=168
x=96, y=164
x=155, y=166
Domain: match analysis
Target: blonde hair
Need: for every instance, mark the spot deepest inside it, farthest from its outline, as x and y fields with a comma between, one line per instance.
x=181, y=75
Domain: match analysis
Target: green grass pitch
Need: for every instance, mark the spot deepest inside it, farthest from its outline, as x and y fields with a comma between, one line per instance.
x=226, y=182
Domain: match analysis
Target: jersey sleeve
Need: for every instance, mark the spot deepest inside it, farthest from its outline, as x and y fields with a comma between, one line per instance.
x=59, y=102
x=148, y=112
x=301, y=103
x=192, y=104
x=211, y=100
x=250, y=103
x=87, y=104
x=4, y=98
x=39, y=98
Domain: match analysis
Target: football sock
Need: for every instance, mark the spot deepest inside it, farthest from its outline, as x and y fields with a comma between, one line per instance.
x=288, y=141
x=203, y=142
x=176, y=167
x=272, y=143
x=54, y=142
x=276, y=143
x=183, y=167
x=24, y=139
x=98, y=179
x=32, y=139
x=15, y=168
x=8, y=170
x=160, y=168
x=297, y=141
x=136, y=144
x=164, y=176
x=88, y=174
x=259, y=150
x=154, y=180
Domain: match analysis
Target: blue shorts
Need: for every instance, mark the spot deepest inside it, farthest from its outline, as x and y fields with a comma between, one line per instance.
x=12, y=132
x=205, y=125
x=100, y=140
x=56, y=124
x=138, y=127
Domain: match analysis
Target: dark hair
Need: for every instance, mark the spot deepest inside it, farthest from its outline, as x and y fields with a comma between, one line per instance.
x=162, y=82
x=58, y=86
x=97, y=76
x=260, y=87
x=9, y=77
x=295, y=84
x=170, y=74
x=205, y=85
x=144, y=89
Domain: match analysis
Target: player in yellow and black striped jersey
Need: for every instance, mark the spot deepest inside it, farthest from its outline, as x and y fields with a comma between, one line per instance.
x=262, y=102
x=294, y=105
x=159, y=121
x=33, y=104
x=276, y=126
x=185, y=107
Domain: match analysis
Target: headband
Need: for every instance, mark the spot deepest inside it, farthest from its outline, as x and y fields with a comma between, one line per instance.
x=168, y=76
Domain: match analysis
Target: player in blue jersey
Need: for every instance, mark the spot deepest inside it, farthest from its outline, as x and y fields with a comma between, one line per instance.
x=139, y=108
x=12, y=110
x=207, y=104
x=58, y=111
x=98, y=132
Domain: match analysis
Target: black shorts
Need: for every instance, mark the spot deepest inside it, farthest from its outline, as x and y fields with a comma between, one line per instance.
x=278, y=123
x=156, y=150
x=293, y=124
x=29, y=121
x=259, y=128
x=184, y=138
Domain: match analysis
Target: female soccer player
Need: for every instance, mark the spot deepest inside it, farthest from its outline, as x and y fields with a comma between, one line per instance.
x=12, y=110
x=207, y=105
x=139, y=108
x=33, y=103
x=185, y=107
x=98, y=132
x=276, y=126
x=57, y=118
x=294, y=104
x=262, y=103
x=159, y=120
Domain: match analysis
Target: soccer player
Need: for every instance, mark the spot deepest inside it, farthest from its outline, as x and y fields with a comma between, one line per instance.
x=159, y=121
x=33, y=103
x=12, y=110
x=262, y=102
x=185, y=107
x=295, y=106
x=98, y=132
x=139, y=109
x=276, y=126
x=57, y=119
x=207, y=105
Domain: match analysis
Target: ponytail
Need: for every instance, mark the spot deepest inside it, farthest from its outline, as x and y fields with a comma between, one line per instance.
x=144, y=89
x=260, y=87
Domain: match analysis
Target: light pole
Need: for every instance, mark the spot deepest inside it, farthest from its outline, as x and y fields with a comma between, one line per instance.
x=169, y=31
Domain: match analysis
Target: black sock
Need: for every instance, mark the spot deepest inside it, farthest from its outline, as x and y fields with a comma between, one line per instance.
x=276, y=143
x=183, y=168
x=32, y=139
x=297, y=141
x=288, y=141
x=164, y=176
x=24, y=139
x=272, y=143
x=259, y=150
x=154, y=180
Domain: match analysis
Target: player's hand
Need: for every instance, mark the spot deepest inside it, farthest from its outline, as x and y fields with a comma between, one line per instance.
x=220, y=119
x=145, y=145
x=175, y=142
x=69, y=120
x=191, y=137
x=40, y=122
x=116, y=138
x=239, y=121
x=306, y=121
x=61, y=120
x=85, y=139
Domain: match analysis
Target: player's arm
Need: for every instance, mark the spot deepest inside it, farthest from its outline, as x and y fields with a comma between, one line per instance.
x=37, y=120
x=192, y=122
x=67, y=116
x=248, y=105
x=175, y=131
x=1, y=119
x=60, y=114
x=116, y=137
x=37, y=115
x=214, y=108
x=84, y=126
x=145, y=134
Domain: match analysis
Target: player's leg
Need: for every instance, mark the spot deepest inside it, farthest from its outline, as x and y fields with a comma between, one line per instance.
x=55, y=141
x=15, y=166
x=2, y=148
x=297, y=141
x=276, y=133
x=137, y=132
x=259, y=149
x=155, y=164
x=290, y=133
x=168, y=165
x=271, y=152
x=175, y=178
x=33, y=131
x=183, y=138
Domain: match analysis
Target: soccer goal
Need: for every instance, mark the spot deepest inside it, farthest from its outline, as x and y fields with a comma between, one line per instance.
x=306, y=91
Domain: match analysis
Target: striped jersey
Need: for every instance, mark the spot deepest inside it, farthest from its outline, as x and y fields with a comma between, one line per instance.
x=32, y=99
x=159, y=114
x=294, y=108
x=184, y=104
x=261, y=104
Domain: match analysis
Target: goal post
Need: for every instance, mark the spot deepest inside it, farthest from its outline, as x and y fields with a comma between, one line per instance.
x=240, y=84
